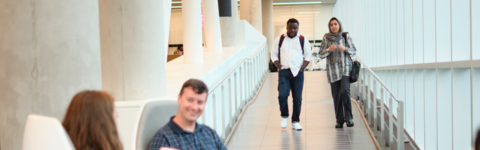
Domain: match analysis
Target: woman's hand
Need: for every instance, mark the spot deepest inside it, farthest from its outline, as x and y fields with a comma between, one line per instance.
x=341, y=48
x=332, y=48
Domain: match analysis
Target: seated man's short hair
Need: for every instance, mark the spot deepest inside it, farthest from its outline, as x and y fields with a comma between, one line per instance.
x=197, y=86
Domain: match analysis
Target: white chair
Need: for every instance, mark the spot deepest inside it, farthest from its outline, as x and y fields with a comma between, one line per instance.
x=155, y=115
x=45, y=133
x=138, y=121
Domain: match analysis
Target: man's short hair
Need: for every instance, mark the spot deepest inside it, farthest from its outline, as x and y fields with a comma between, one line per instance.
x=292, y=20
x=178, y=47
x=197, y=86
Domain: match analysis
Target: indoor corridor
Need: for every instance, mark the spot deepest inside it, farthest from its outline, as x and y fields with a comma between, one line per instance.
x=259, y=128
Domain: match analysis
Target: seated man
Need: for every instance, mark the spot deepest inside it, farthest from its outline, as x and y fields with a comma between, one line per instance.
x=179, y=50
x=182, y=132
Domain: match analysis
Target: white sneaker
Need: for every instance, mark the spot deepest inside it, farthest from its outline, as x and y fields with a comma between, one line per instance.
x=296, y=126
x=284, y=123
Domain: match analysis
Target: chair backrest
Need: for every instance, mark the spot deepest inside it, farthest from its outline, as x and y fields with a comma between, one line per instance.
x=127, y=122
x=155, y=115
x=45, y=133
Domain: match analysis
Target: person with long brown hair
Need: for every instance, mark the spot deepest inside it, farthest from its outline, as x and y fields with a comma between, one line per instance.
x=90, y=121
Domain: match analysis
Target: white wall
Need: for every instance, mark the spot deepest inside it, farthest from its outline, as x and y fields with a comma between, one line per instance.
x=176, y=27
x=402, y=37
x=313, y=19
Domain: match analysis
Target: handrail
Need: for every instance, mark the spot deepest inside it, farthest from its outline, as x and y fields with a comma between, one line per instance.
x=238, y=64
x=379, y=124
x=378, y=79
x=227, y=104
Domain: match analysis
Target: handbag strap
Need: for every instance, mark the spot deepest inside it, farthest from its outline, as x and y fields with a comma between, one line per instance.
x=344, y=35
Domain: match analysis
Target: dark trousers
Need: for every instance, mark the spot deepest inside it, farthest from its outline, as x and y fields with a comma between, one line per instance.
x=341, y=99
x=286, y=81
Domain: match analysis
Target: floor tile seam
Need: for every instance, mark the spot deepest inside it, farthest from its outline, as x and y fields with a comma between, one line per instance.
x=257, y=100
x=269, y=116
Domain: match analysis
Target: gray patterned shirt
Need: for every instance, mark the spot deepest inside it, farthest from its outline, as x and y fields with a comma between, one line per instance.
x=343, y=65
x=171, y=135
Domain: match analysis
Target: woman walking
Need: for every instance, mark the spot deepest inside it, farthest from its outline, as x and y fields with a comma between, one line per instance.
x=339, y=65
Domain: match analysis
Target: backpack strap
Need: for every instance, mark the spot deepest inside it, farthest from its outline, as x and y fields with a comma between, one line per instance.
x=302, y=42
x=282, y=37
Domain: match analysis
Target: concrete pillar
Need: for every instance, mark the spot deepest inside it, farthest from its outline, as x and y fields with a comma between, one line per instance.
x=133, y=48
x=267, y=12
x=229, y=24
x=212, y=25
x=49, y=51
x=167, y=13
x=251, y=11
x=192, y=31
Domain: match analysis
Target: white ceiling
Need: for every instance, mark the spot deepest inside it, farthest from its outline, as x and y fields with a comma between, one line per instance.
x=283, y=1
x=323, y=1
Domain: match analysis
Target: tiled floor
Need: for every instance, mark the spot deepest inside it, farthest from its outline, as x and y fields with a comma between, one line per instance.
x=260, y=125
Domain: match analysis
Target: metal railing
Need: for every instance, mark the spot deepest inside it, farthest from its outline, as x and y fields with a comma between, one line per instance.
x=382, y=116
x=228, y=98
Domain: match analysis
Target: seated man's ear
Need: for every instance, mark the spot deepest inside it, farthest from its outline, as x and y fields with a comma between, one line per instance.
x=178, y=98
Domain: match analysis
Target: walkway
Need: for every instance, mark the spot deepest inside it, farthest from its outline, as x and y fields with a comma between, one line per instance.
x=260, y=125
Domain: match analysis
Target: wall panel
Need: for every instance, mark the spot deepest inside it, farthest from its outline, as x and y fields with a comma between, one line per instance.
x=393, y=33
x=475, y=31
x=400, y=32
x=388, y=40
x=408, y=32
x=444, y=107
x=462, y=111
x=418, y=31
x=429, y=35
x=443, y=30
x=409, y=103
x=419, y=100
x=476, y=100
x=461, y=30
x=394, y=89
x=382, y=43
x=430, y=109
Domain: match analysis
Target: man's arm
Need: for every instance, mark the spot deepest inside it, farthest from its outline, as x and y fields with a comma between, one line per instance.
x=274, y=53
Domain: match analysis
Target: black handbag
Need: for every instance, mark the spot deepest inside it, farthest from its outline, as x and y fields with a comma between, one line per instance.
x=354, y=73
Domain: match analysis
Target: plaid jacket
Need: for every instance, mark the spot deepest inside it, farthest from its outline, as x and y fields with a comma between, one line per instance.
x=171, y=135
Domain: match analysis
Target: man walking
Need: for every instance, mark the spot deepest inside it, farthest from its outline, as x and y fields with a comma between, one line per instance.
x=291, y=53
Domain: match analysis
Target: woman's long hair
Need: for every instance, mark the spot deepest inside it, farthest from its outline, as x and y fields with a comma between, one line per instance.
x=90, y=123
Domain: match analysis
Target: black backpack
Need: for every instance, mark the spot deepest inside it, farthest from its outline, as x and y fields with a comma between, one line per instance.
x=354, y=73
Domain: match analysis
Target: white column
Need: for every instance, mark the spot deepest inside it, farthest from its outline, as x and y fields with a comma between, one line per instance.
x=267, y=12
x=212, y=25
x=229, y=26
x=49, y=51
x=251, y=11
x=134, y=48
x=192, y=31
